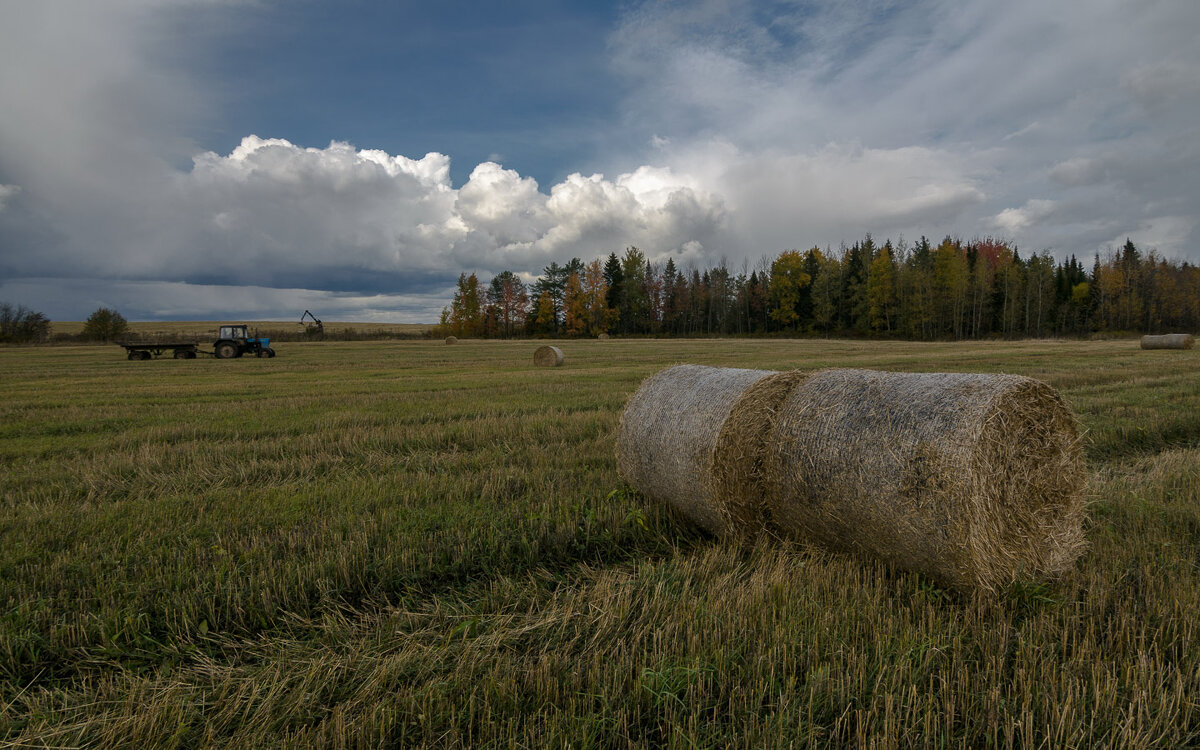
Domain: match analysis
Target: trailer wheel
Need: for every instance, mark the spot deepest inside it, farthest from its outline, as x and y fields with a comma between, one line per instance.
x=226, y=350
x=132, y=355
x=143, y=355
x=181, y=353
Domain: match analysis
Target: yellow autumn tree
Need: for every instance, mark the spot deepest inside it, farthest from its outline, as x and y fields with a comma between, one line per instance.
x=575, y=307
x=788, y=278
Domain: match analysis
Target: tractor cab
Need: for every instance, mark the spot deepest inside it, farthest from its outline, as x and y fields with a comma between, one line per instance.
x=233, y=333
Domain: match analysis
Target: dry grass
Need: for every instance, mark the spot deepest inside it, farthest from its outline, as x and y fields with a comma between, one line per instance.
x=403, y=544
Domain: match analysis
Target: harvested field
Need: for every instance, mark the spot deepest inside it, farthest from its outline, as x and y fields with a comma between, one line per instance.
x=399, y=544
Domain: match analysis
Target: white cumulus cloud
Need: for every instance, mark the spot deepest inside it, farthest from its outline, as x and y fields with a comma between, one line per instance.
x=1014, y=220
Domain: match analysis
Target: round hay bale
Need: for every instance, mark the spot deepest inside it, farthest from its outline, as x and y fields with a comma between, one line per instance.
x=548, y=356
x=974, y=480
x=1169, y=341
x=603, y=337
x=667, y=442
x=451, y=340
x=738, y=460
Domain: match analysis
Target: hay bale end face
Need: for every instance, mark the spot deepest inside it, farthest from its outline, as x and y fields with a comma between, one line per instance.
x=668, y=439
x=1169, y=341
x=548, y=356
x=974, y=480
x=451, y=340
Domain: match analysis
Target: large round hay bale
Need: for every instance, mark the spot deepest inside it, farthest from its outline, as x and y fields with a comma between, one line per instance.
x=548, y=356
x=668, y=438
x=451, y=340
x=974, y=480
x=603, y=337
x=1169, y=341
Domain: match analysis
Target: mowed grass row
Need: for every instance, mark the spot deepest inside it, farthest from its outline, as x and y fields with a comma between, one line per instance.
x=415, y=544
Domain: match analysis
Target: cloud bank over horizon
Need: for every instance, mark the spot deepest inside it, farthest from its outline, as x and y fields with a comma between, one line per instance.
x=743, y=130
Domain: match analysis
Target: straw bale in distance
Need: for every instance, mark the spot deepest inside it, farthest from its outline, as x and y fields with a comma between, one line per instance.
x=451, y=340
x=1169, y=341
x=668, y=437
x=548, y=356
x=603, y=337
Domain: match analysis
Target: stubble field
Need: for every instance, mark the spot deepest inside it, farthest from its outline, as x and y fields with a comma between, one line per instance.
x=407, y=544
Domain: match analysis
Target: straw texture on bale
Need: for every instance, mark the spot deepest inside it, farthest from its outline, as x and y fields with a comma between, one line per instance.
x=668, y=438
x=451, y=340
x=1169, y=341
x=548, y=356
x=974, y=480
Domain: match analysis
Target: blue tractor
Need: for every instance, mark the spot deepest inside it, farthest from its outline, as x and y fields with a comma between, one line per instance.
x=234, y=341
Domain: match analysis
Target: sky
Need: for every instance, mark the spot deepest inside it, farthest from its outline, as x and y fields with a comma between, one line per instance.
x=251, y=159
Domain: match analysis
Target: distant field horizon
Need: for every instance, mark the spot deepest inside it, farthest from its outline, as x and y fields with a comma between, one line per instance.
x=202, y=327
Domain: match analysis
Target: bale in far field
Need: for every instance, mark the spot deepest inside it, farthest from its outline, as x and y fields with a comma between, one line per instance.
x=1169, y=341
x=548, y=356
x=974, y=480
x=451, y=340
x=603, y=337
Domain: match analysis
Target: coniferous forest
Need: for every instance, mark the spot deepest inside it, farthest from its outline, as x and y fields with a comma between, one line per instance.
x=952, y=290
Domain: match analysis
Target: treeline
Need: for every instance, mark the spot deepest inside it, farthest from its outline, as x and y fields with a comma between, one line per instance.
x=20, y=325
x=954, y=290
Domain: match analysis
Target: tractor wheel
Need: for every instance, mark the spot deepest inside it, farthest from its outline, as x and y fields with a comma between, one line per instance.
x=270, y=352
x=226, y=350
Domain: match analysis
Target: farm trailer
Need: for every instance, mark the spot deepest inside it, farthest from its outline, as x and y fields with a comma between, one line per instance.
x=232, y=341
